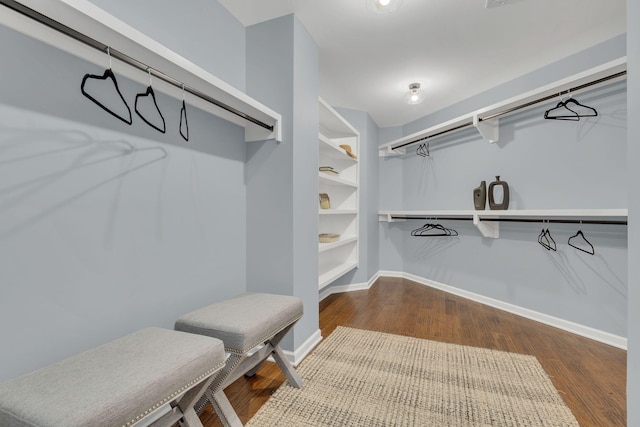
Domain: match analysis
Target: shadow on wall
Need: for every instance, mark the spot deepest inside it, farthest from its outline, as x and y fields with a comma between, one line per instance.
x=76, y=150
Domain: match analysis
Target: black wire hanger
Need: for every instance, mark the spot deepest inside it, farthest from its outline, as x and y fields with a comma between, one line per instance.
x=150, y=92
x=546, y=240
x=108, y=74
x=434, y=230
x=580, y=234
x=591, y=111
x=567, y=113
x=423, y=150
x=183, y=113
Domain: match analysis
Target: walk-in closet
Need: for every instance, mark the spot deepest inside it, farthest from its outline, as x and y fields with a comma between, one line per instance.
x=445, y=193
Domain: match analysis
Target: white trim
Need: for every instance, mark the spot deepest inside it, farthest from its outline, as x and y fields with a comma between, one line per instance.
x=575, y=328
x=330, y=290
x=297, y=356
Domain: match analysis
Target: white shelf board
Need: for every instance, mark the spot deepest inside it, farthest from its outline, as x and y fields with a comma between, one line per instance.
x=88, y=19
x=474, y=118
x=331, y=150
x=521, y=213
x=328, y=246
x=335, y=180
x=492, y=229
x=335, y=273
x=332, y=124
x=555, y=213
x=338, y=212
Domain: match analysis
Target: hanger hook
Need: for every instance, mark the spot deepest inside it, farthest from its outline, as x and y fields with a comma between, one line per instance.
x=149, y=71
x=182, y=91
x=109, y=55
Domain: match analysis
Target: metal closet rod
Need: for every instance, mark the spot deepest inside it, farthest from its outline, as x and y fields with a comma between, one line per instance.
x=51, y=23
x=519, y=107
x=546, y=221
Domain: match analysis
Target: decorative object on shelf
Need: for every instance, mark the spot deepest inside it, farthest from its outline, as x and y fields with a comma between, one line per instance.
x=347, y=148
x=325, y=203
x=328, y=169
x=480, y=196
x=328, y=237
x=505, y=195
x=415, y=95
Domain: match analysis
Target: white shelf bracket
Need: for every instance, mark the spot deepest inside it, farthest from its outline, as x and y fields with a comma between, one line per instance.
x=487, y=229
x=390, y=152
x=489, y=129
x=389, y=218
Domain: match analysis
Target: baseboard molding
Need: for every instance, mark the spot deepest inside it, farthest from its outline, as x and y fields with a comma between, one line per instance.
x=575, y=328
x=330, y=290
x=295, y=357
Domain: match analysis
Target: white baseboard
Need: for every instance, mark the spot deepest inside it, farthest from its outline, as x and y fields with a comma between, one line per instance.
x=585, y=331
x=349, y=288
x=295, y=357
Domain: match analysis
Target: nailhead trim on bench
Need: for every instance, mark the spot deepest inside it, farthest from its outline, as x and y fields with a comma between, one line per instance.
x=174, y=394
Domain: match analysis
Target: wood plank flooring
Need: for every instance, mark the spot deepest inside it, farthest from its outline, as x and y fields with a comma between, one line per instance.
x=590, y=376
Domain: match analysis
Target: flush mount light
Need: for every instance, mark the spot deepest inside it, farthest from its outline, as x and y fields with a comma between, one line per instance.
x=383, y=6
x=415, y=95
x=494, y=3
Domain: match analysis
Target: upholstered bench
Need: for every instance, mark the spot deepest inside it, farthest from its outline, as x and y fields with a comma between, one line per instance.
x=117, y=384
x=244, y=323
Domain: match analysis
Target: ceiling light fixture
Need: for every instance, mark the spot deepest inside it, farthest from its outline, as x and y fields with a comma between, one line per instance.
x=415, y=95
x=383, y=6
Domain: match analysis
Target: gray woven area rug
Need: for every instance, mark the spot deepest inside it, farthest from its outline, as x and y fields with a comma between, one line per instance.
x=363, y=378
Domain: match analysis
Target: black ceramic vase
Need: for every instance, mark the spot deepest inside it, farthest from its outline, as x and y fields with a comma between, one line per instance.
x=505, y=195
x=480, y=196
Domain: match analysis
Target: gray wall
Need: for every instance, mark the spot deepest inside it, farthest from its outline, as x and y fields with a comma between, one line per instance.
x=633, y=149
x=202, y=31
x=282, y=227
x=390, y=184
x=549, y=165
x=108, y=228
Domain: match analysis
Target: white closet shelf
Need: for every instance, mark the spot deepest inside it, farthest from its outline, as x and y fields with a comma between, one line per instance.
x=93, y=24
x=331, y=150
x=485, y=120
x=334, y=273
x=492, y=228
x=332, y=124
x=328, y=246
x=330, y=179
x=338, y=212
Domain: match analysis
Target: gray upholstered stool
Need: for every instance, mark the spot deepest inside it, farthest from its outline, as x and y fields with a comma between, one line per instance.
x=243, y=323
x=117, y=384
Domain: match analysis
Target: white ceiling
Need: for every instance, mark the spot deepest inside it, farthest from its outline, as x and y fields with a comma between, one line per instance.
x=454, y=48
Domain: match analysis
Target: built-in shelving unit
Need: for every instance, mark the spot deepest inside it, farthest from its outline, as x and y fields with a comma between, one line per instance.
x=488, y=221
x=338, y=258
x=486, y=120
x=84, y=30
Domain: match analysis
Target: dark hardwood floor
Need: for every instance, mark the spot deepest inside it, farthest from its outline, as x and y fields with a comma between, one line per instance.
x=590, y=376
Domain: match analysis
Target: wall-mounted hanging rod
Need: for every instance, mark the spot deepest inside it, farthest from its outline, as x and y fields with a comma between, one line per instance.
x=14, y=5
x=534, y=220
x=516, y=108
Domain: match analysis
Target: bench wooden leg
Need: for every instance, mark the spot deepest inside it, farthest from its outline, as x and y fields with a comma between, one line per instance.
x=223, y=408
x=287, y=368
